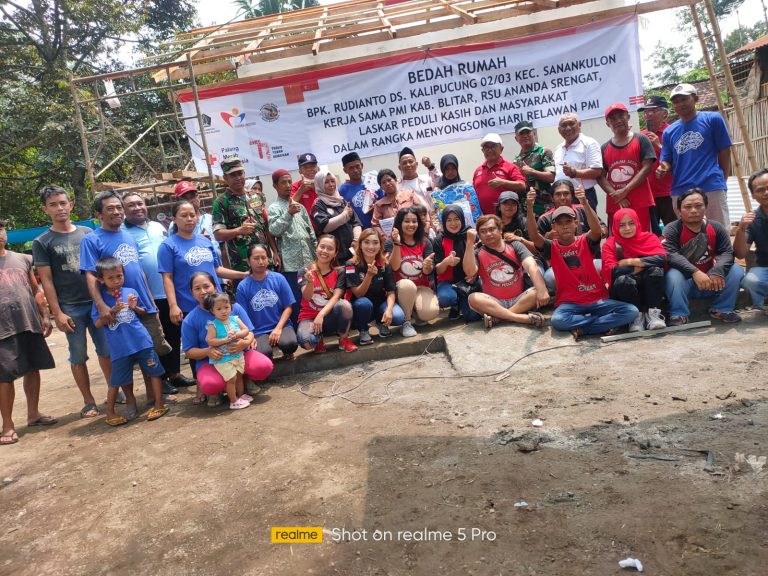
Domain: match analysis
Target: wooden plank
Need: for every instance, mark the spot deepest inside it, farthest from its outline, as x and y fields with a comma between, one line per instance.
x=319, y=32
x=651, y=333
x=465, y=16
x=182, y=174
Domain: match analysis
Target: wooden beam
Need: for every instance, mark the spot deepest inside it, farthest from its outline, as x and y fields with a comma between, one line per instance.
x=385, y=21
x=464, y=15
x=319, y=32
x=651, y=333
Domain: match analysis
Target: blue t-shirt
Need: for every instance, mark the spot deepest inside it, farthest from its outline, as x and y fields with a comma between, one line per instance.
x=122, y=246
x=194, y=328
x=265, y=300
x=126, y=335
x=182, y=258
x=355, y=195
x=148, y=240
x=692, y=149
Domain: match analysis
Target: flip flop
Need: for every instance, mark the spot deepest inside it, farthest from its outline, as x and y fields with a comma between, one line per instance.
x=537, y=320
x=8, y=439
x=213, y=401
x=43, y=421
x=89, y=411
x=116, y=421
x=156, y=413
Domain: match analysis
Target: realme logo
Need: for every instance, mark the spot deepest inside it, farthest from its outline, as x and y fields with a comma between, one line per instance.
x=297, y=535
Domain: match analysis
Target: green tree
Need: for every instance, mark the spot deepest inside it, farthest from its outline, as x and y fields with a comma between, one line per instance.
x=744, y=35
x=42, y=42
x=258, y=8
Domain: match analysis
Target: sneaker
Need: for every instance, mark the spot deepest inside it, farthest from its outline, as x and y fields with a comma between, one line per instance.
x=408, y=331
x=727, y=317
x=247, y=397
x=346, y=344
x=365, y=338
x=655, y=319
x=320, y=347
x=638, y=324
x=454, y=314
x=678, y=320
x=384, y=331
x=239, y=404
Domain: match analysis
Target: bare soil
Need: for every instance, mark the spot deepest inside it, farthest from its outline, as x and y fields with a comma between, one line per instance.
x=420, y=446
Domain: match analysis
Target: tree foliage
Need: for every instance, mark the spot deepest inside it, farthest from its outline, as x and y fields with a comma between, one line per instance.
x=258, y=8
x=42, y=43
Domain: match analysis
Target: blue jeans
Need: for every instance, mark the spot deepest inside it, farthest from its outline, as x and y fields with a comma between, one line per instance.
x=293, y=281
x=679, y=289
x=362, y=313
x=595, y=318
x=78, y=346
x=756, y=283
x=447, y=297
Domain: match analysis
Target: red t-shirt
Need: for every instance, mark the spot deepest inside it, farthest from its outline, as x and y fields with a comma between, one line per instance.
x=411, y=264
x=575, y=274
x=307, y=199
x=707, y=260
x=487, y=195
x=501, y=280
x=659, y=186
x=621, y=164
x=311, y=308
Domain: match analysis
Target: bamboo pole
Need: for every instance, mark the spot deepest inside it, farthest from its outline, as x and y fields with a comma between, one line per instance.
x=203, y=139
x=731, y=86
x=83, y=137
x=721, y=106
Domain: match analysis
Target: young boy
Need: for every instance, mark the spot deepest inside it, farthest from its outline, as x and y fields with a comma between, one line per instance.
x=129, y=342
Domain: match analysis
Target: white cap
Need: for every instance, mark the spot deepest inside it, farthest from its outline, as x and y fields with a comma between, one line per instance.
x=491, y=137
x=683, y=90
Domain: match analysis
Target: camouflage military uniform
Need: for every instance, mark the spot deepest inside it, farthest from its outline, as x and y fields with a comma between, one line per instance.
x=541, y=159
x=231, y=211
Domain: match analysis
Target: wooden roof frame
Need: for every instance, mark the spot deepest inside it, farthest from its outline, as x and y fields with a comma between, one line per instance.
x=316, y=37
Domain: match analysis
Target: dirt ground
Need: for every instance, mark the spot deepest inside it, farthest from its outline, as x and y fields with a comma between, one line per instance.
x=420, y=446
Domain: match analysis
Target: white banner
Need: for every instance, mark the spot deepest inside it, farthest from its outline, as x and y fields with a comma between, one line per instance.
x=420, y=99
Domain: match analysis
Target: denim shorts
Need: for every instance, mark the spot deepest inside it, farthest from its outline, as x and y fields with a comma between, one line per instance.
x=78, y=346
x=122, y=368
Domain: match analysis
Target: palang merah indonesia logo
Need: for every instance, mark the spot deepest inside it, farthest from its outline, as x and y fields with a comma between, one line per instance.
x=235, y=119
x=269, y=112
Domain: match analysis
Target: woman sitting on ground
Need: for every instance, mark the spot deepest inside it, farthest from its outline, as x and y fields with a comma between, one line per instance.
x=194, y=334
x=323, y=308
x=633, y=268
x=268, y=300
x=412, y=260
x=372, y=285
x=449, y=247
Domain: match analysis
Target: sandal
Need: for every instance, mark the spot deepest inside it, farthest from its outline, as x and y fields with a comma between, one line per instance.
x=247, y=397
x=214, y=401
x=577, y=333
x=43, y=421
x=727, y=317
x=489, y=321
x=537, y=320
x=9, y=438
x=156, y=413
x=199, y=400
x=116, y=421
x=89, y=411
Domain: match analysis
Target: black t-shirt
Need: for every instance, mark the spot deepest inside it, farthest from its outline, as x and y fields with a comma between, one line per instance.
x=382, y=283
x=757, y=232
x=61, y=252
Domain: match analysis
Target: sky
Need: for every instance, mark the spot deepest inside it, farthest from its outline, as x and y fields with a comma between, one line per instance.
x=656, y=26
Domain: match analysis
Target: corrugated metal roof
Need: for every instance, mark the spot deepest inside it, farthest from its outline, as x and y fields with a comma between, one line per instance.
x=754, y=45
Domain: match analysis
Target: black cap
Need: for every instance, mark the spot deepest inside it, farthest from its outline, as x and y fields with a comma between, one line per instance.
x=307, y=158
x=351, y=157
x=406, y=151
x=655, y=102
x=521, y=126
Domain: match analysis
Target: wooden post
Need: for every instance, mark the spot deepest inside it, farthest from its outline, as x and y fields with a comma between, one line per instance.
x=83, y=136
x=203, y=139
x=721, y=106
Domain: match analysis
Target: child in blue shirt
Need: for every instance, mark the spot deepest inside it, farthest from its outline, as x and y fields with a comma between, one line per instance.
x=129, y=342
x=223, y=330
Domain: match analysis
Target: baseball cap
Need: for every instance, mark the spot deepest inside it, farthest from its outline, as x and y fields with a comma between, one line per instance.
x=523, y=126
x=613, y=107
x=683, y=90
x=655, y=102
x=491, y=137
x=183, y=187
x=307, y=158
x=230, y=165
x=563, y=211
x=508, y=195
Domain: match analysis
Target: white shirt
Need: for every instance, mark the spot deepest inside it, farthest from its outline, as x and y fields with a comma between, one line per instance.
x=584, y=152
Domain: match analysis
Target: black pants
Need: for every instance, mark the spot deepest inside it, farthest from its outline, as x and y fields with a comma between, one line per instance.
x=591, y=195
x=662, y=212
x=171, y=361
x=644, y=289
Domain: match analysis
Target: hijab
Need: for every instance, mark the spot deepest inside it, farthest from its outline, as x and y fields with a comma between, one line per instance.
x=444, y=161
x=459, y=238
x=334, y=199
x=640, y=245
